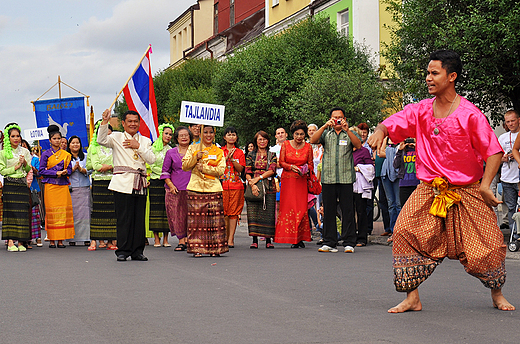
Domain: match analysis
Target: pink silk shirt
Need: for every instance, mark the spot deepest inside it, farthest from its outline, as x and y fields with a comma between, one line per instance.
x=458, y=152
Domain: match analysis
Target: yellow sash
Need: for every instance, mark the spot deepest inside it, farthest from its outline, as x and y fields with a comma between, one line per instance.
x=57, y=157
x=445, y=196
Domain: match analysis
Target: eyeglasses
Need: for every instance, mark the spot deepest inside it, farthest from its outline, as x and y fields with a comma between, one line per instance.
x=183, y=136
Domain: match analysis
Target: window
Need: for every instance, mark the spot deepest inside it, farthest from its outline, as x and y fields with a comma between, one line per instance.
x=215, y=19
x=275, y=2
x=231, y=12
x=343, y=22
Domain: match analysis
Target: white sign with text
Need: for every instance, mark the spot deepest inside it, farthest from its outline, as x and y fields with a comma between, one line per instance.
x=202, y=113
x=36, y=134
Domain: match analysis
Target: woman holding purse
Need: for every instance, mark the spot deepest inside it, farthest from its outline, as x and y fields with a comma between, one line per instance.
x=260, y=168
x=296, y=157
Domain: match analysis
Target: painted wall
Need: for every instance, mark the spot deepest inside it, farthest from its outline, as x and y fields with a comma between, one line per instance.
x=284, y=9
x=203, y=21
x=180, y=37
x=243, y=9
x=340, y=6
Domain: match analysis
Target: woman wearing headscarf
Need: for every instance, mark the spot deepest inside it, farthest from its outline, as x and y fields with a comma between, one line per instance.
x=175, y=183
x=79, y=192
x=15, y=163
x=157, y=218
x=55, y=167
x=103, y=217
x=206, y=226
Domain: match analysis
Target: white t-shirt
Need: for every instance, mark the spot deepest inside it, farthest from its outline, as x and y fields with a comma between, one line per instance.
x=509, y=172
x=276, y=150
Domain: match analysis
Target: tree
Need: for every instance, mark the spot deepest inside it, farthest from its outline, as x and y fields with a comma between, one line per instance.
x=192, y=81
x=356, y=91
x=264, y=85
x=484, y=33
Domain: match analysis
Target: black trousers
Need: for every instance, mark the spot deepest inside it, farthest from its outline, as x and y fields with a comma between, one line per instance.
x=332, y=195
x=130, y=213
x=360, y=204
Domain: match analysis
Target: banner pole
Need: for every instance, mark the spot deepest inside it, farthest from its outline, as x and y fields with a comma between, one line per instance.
x=59, y=86
x=131, y=75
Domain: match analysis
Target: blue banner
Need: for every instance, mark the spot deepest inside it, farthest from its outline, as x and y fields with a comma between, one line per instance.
x=67, y=113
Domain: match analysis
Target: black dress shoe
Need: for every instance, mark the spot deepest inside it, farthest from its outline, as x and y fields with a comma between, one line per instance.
x=140, y=257
x=121, y=258
x=295, y=246
x=61, y=246
x=301, y=244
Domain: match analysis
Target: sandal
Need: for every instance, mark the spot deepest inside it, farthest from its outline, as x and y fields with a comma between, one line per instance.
x=254, y=245
x=214, y=255
x=360, y=244
x=197, y=255
x=269, y=245
x=180, y=247
x=91, y=248
x=112, y=247
x=102, y=245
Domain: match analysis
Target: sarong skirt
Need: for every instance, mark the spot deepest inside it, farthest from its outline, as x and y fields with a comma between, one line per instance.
x=177, y=210
x=103, y=219
x=59, y=218
x=206, y=225
x=16, y=213
x=158, y=219
x=262, y=222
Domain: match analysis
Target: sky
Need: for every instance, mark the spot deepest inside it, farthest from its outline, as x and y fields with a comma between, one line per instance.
x=93, y=45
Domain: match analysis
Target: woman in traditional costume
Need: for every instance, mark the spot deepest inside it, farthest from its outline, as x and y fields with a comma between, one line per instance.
x=15, y=163
x=175, y=182
x=80, y=192
x=103, y=217
x=296, y=158
x=233, y=193
x=260, y=168
x=157, y=218
x=206, y=226
x=55, y=168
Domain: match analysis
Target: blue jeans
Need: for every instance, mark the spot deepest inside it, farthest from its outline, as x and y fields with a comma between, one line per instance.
x=510, y=195
x=392, y=195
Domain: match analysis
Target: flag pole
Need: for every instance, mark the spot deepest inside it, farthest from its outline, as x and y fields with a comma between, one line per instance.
x=131, y=75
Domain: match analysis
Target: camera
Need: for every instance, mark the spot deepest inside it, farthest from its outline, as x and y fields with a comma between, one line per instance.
x=409, y=140
x=338, y=122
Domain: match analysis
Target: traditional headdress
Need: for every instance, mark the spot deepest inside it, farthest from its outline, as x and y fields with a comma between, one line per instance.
x=158, y=144
x=8, y=150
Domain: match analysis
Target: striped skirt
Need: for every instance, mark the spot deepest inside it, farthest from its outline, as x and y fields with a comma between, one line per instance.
x=81, y=205
x=262, y=222
x=206, y=226
x=59, y=219
x=36, y=229
x=16, y=213
x=177, y=210
x=103, y=218
x=158, y=220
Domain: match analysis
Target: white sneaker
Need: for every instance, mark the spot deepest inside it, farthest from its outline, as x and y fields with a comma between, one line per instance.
x=326, y=248
x=349, y=249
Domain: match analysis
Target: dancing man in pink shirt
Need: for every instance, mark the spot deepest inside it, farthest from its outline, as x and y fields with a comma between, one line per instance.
x=449, y=214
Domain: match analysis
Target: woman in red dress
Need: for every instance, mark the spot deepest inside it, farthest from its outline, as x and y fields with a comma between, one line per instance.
x=292, y=226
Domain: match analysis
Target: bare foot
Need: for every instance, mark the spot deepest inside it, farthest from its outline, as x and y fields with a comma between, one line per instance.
x=500, y=302
x=411, y=303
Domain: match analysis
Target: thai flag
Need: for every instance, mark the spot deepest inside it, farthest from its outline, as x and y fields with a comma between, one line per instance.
x=140, y=97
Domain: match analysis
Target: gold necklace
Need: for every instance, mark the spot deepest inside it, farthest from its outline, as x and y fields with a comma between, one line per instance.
x=436, y=131
x=136, y=155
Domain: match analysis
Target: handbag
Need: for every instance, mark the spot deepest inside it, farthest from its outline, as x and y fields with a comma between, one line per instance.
x=249, y=196
x=313, y=184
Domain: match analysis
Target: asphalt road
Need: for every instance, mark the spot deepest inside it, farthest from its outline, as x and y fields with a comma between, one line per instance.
x=247, y=296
